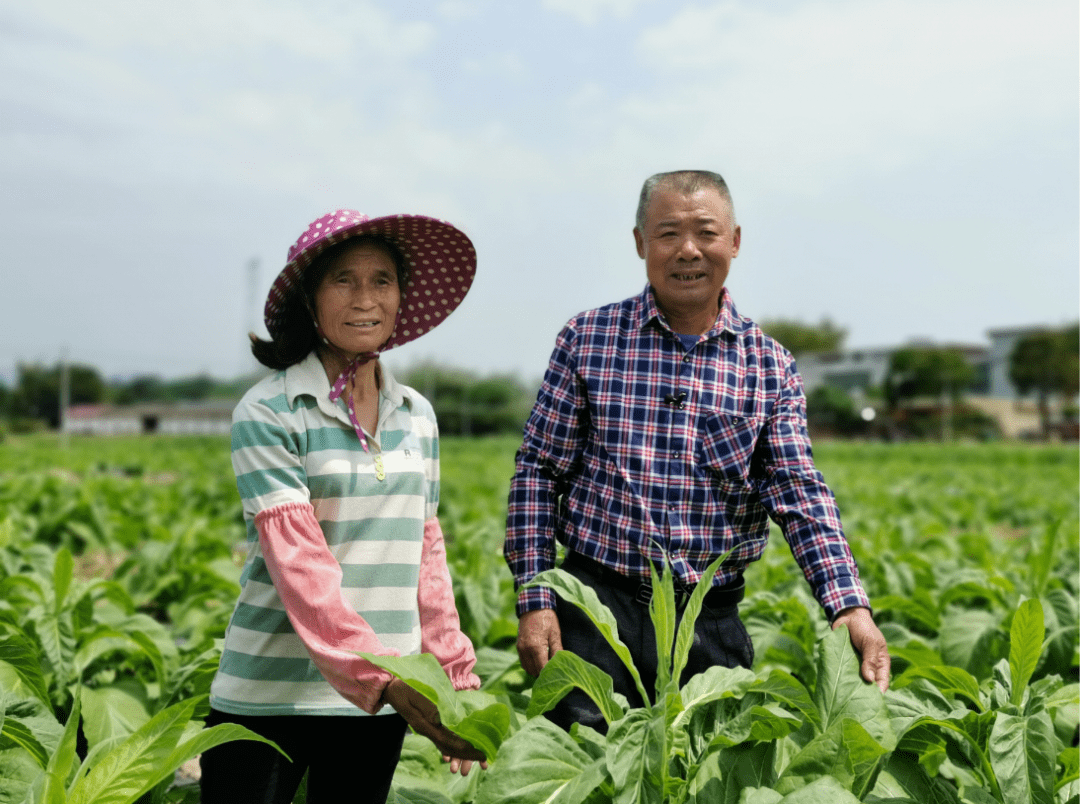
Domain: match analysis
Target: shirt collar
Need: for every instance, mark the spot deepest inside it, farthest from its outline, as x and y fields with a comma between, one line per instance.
x=308, y=378
x=728, y=320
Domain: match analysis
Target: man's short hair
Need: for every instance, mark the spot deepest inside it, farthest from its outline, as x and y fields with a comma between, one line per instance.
x=683, y=181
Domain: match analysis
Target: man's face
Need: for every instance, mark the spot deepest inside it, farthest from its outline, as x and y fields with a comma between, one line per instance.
x=688, y=245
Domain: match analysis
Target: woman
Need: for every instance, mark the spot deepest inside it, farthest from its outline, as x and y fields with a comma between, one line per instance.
x=337, y=465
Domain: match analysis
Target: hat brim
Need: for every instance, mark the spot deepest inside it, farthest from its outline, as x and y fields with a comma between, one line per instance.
x=441, y=260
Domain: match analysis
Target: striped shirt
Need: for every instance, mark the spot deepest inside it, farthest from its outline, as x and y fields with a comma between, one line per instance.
x=639, y=446
x=291, y=445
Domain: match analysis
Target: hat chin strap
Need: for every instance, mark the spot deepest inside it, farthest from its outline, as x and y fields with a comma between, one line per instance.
x=345, y=379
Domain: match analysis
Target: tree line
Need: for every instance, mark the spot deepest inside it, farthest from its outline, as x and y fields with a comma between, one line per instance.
x=465, y=403
x=1045, y=364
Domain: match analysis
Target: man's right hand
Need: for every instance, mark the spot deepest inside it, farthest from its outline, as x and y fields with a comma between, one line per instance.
x=538, y=639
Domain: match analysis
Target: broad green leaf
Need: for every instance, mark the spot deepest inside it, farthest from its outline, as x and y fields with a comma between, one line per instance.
x=760, y=795
x=636, y=754
x=949, y=681
x=712, y=685
x=1069, y=759
x=921, y=614
x=825, y=789
x=540, y=763
x=416, y=795
x=64, y=761
x=1025, y=645
x=1023, y=752
x=112, y=713
x=787, y=690
x=573, y=591
x=969, y=638
x=18, y=653
x=685, y=638
x=135, y=765
x=565, y=671
x=742, y=767
x=205, y=739
x=16, y=733
x=841, y=692
x=845, y=751
x=772, y=722
x=474, y=716
x=918, y=699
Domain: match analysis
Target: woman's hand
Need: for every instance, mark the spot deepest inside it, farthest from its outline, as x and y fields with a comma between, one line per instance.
x=423, y=717
x=462, y=765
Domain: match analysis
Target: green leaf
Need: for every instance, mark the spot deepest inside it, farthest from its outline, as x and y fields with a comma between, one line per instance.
x=841, y=692
x=949, y=681
x=476, y=717
x=16, y=733
x=968, y=639
x=663, y=615
x=572, y=590
x=1023, y=753
x=825, y=789
x=636, y=753
x=112, y=713
x=845, y=750
x=1025, y=646
x=18, y=653
x=712, y=685
x=685, y=638
x=565, y=671
x=540, y=763
x=787, y=690
x=63, y=573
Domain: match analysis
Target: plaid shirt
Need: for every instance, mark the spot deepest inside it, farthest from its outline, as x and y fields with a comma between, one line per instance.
x=657, y=449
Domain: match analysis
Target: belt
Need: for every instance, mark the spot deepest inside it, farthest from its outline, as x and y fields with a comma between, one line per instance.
x=718, y=597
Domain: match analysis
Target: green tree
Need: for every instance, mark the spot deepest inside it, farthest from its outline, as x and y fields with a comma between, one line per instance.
x=143, y=388
x=799, y=338
x=927, y=371
x=1047, y=363
x=37, y=390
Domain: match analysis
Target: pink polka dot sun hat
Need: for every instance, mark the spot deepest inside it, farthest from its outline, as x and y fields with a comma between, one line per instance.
x=440, y=257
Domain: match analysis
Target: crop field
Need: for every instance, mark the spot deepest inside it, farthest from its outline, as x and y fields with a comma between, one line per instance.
x=119, y=561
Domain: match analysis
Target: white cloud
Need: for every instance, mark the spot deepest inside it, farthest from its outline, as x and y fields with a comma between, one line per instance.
x=862, y=85
x=589, y=12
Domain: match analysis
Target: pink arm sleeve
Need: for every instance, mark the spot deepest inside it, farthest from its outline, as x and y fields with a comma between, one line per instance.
x=440, y=628
x=308, y=580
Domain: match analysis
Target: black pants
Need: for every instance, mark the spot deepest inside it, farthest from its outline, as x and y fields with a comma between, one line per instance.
x=720, y=639
x=348, y=759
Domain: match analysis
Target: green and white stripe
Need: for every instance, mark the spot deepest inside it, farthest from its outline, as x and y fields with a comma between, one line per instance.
x=291, y=444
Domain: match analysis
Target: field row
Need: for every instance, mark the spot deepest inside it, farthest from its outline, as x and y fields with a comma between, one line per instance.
x=119, y=562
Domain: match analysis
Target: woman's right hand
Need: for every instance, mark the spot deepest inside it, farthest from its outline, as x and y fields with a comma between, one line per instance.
x=422, y=715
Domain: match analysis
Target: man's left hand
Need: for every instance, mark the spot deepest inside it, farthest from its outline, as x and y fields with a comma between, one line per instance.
x=869, y=643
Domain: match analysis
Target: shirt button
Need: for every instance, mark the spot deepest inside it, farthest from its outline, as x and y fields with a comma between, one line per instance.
x=675, y=455
x=686, y=358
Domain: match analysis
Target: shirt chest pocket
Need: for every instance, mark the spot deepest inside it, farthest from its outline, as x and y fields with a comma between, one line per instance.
x=727, y=446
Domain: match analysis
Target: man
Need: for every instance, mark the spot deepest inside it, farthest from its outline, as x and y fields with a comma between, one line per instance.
x=668, y=424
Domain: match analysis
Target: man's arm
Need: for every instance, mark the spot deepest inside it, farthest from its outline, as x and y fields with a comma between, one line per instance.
x=551, y=449
x=796, y=497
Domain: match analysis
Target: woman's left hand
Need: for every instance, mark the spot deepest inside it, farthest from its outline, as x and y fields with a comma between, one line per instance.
x=462, y=765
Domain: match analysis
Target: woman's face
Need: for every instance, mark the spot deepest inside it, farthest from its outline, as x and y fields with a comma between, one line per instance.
x=357, y=302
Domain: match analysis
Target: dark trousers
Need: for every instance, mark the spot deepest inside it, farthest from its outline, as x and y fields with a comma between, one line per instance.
x=348, y=759
x=720, y=639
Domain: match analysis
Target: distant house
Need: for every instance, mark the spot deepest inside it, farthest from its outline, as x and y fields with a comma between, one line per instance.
x=191, y=418
x=992, y=392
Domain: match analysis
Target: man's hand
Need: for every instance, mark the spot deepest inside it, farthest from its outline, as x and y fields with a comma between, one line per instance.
x=869, y=643
x=421, y=714
x=538, y=639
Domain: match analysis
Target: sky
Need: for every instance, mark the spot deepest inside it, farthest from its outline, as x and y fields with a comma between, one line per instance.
x=909, y=169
